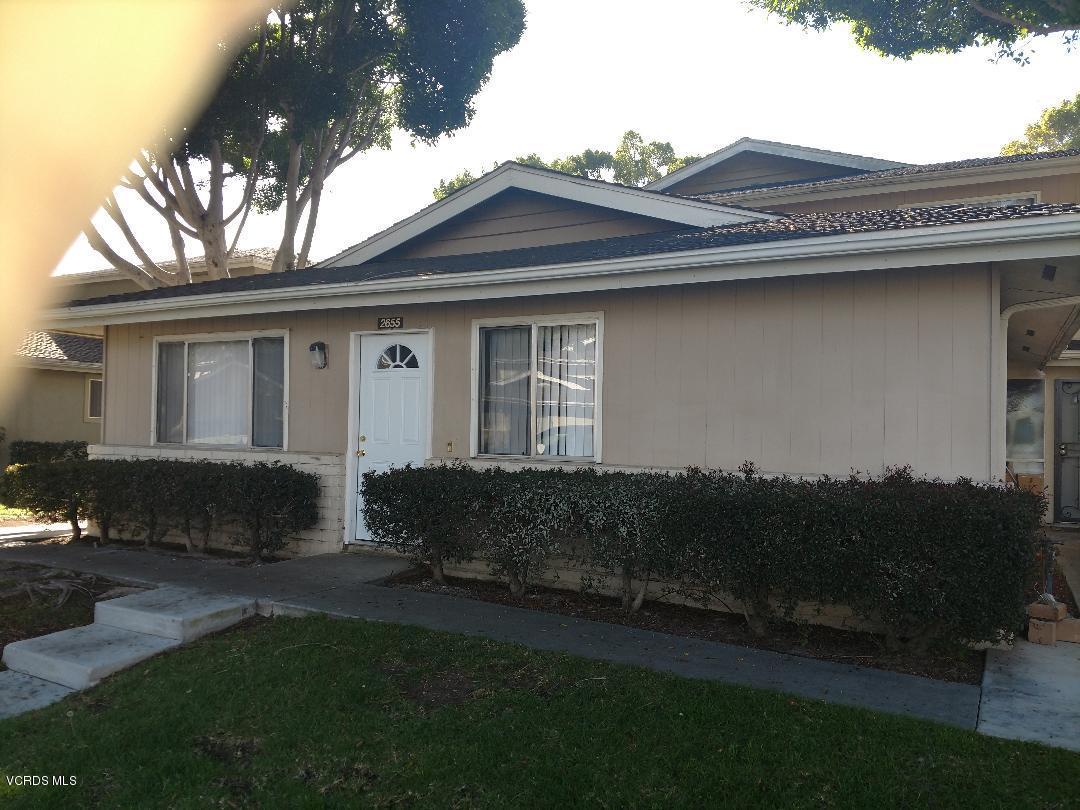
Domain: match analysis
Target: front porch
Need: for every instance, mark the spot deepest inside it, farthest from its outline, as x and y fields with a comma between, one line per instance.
x=1040, y=310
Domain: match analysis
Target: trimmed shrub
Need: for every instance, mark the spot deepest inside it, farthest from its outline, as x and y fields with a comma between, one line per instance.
x=265, y=502
x=621, y=525
x=199, y=499
x=28, y=452
x=269, y=502
x=932, y=562
x=524, y=519
x=108, y=499
x=149, y=491
x=51, y=492
x=425, y=512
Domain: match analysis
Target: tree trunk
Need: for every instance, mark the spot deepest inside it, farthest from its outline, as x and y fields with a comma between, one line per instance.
x=756, y=619
x=517, y=585
x=437, y=567
x=285, y=259
x=639, y=599
x=73, y=518
x=316, y=186
x=627, y=590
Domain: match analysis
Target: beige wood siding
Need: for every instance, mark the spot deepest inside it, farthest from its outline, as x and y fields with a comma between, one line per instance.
x=754, y=169
x=516, y=219
x=810, y=375
x=1063, y=188
x=46, y=405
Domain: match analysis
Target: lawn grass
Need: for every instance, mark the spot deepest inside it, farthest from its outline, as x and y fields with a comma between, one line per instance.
x=317, y=712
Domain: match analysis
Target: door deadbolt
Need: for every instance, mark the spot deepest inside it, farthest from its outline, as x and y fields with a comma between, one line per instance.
x=363, y=438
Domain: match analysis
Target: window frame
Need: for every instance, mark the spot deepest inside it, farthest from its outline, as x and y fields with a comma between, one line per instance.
x=90, y=380
x=534, y=321
x=215, y=337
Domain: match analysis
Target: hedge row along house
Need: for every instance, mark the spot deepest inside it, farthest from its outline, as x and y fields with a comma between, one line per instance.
x=810, y=311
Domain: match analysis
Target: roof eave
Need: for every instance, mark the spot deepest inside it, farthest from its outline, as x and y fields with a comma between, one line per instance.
x=678, y=210
x=778, y=149
x=861, y=185
x=820, y=254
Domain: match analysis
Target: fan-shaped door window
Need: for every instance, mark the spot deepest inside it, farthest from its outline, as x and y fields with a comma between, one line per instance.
x=397, y=356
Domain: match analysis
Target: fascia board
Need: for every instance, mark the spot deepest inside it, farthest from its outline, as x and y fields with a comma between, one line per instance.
x=875, y=250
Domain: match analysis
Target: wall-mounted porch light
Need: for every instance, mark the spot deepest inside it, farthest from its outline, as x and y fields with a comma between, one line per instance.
x=319, y=357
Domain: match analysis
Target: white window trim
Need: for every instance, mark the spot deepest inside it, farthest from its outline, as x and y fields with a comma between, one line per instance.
x=992, y=198
x=213, y=337
x=534, y=321
x=86, y=398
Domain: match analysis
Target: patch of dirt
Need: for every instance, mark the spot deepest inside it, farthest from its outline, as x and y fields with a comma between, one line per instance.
x=432, y=690
x=36, y=600
x=812, y=641
x=227, y=749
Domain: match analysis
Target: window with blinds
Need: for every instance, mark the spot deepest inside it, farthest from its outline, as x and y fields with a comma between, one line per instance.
x=228, y=393
x=538, y=389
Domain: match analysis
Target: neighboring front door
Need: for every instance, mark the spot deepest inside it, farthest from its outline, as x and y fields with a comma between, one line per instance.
x=394, y=401
x=1067, y=451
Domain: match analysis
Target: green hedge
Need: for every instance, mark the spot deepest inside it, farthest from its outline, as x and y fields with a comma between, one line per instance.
x=258, y=505
x=927, y=560
x=27, y=452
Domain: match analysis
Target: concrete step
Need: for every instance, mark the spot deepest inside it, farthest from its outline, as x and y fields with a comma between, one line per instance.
x=80, y=657
x=175, y=613
x=21, y=693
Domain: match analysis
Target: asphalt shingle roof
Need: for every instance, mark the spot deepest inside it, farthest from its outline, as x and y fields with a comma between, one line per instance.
x=61, y=347
x=904, y=171
x=795, y=226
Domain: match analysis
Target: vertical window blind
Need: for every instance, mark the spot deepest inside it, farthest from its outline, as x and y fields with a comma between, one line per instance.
x=537, y=390
x=222, y=392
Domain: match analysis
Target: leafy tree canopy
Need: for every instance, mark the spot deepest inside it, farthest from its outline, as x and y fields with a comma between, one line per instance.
x=903, y=29
x=1057, y=128
x=317, y=83
x=633, y=163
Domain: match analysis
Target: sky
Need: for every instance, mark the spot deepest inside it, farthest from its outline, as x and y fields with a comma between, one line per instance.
x=697, y=73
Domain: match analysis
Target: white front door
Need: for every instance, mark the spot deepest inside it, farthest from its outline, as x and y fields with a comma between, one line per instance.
x=394, y=401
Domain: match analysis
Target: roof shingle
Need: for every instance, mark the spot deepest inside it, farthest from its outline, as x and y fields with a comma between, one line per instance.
x=795, y=226
x=60, y=347
x=904, y=171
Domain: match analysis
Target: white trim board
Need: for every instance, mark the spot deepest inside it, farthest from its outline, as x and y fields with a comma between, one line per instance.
x=994, y=241
x=680, y=210
x=788, y=150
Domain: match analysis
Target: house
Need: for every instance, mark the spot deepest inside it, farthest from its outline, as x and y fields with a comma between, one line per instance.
x=57, y=393
x=811, y=311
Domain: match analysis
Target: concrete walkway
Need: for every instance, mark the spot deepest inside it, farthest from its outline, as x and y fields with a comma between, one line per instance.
x=1032, y=692
x=340, y=585
x=34, y=531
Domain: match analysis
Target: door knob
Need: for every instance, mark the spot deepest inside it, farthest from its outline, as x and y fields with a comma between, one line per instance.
x=361, y=452
x=1062, y=450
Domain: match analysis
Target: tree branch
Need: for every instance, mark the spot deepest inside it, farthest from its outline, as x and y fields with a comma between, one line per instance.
x=132, y=271
x=150, y=267
x=1037, y=30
